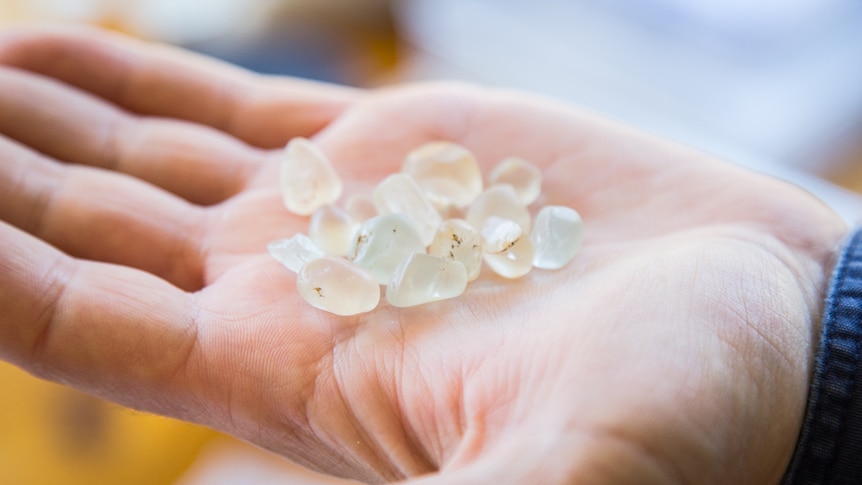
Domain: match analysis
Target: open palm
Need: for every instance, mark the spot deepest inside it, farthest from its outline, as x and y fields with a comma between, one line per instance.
x=676, y=348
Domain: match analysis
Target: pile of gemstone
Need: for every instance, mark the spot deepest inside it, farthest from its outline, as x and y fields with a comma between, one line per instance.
x=407, y=236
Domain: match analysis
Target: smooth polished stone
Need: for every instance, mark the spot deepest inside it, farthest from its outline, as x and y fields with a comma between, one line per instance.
x=500, y=201
x=558, y=233
x=447, y=172
x=522, y=175
x=384, y=242
x=423, y=278
x=513, y=262
x=308, y=180
x=399, y=194
x=457, y=240
x=337, y=286
x=498, y=234
x=332, y=228
x=295, y=252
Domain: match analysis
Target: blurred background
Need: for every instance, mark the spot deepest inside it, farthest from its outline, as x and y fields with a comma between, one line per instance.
x=775, y=85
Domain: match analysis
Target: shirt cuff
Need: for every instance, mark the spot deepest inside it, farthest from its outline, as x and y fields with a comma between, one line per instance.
x=829, y=451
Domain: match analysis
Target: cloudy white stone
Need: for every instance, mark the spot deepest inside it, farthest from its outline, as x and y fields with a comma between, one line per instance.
x=499, y=234
x=558, y=233
x=457, y=240
x=332, y=229
x=384, y=242
x=308, y=180
x=295, y=252
x=423, y=278
x=522, y=175
x=500, y=201
x=399, y=194
x=447, y=172
x=513, y=262
x=338, y=286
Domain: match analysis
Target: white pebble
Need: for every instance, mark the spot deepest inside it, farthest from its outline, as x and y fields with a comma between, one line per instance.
x=513, y=262
x=295, y=252
x=457, y=240
x=337, y=286
x=422, y=278
x=332, y=229
x=522, y=175
x=500, y=201
x=448, y=173
x=499, y=234
x=308, y=180
x=399, y=194
x=384, y=242
x=557, y=235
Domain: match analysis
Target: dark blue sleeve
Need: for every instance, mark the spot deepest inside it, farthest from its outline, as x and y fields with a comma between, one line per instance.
x=829, y=451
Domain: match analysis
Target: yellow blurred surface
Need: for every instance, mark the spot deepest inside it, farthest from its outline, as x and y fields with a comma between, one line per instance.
x=51, y=434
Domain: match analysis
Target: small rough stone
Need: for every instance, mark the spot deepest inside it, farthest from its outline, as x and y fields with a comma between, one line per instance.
x=308, y=180
x=338, y=286
x=295, y=252
x=522, y=175
x=384, y=242
x=423, y=278
x=557, y=235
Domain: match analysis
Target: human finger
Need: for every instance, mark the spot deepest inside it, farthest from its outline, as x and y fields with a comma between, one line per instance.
x=114, y=331
x=100, y=215
x=163, y=81
x=193, y=161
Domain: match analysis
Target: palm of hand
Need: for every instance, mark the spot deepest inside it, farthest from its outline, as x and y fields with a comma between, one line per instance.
x=656, y=356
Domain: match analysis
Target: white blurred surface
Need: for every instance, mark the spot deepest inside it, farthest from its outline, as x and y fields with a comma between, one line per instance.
x=773, y=85
x=690, y=70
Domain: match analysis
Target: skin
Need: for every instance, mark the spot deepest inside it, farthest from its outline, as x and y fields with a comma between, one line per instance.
x=140, y=191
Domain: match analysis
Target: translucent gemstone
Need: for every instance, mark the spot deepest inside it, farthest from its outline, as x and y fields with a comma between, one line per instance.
x=457, y=240
x=522, y=175
x=308, y=180
x=332, y=229
x=338, y=286
x=399, y=194
x=384, y=242
x=498, y=234
x=422, y=278
x=447, y=172
x=500, y=201
x=557, y=235
x=513, y=262
x=360, y=207
x=295, y=252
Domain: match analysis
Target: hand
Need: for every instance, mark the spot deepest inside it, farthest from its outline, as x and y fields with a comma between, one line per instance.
x=676, y=348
